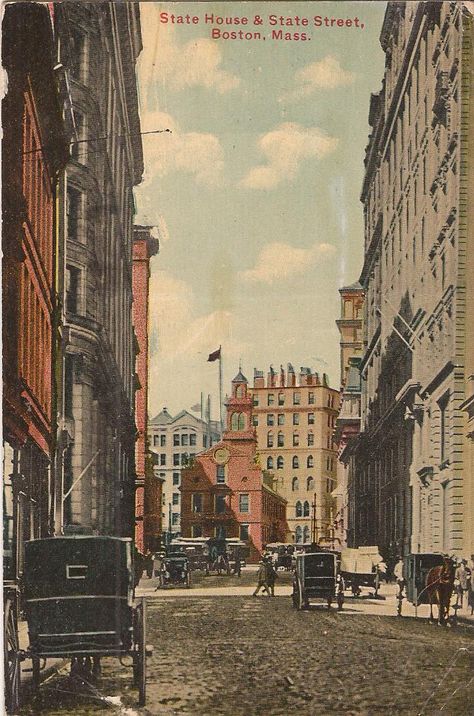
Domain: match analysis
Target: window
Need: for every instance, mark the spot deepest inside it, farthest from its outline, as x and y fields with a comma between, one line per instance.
x=270, y=399
x=244, y=532
x=310, y=461
x=270, y=439
x=73, y=281
x=220, y=474
x=175, y=440
x=73, y=211
x=68, y=385
x=310, y=439
x=299, y=509
x=281, y=439
x=255, y=399
x=176, y=458
x=311, y=398
x=204, y=441
x=296, y=439
x=298, y=535
x=269, y=463
x=220, y=532
x=163, y=440
x=77, y=56
x=306, y=534
x=238, y=421
x=196, y=531
x=156, y=440
x=220, y=504
x=79, y=147
x=310, y=484
x=280, y=463
x=163, y=458
x=296, y=398
x=175, y=518
x=175, y=498
x=196, y=502
x=281, y=418
x=240, y=391
x=295, y=462
x=443, y=405
x=184, y=439
x=255, y=421
x=281, y=399
x=192, y=439
x=244, y=503
x=306, y=509
x=175, y=478
x=270, y=419
x=296, y=418
x=310, y=418
x=295, y=485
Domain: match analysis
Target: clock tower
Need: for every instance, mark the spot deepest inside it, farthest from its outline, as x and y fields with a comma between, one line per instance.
x=239, y=411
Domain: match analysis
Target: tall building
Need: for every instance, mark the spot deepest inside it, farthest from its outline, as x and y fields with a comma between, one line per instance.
x=295, y=421
x=409, y=463
x=145, y=246
x=225, y=492
x=348, y=420
x=34, y=150
x=100, y=45
x=174, y=442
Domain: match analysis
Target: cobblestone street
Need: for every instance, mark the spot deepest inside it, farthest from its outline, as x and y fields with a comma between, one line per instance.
x=242, y=655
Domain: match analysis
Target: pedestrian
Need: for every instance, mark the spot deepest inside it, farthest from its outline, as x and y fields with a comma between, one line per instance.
x=398, y=572
x=262, y=578
x=271, y=576
x=461, y=576
x=470, y=586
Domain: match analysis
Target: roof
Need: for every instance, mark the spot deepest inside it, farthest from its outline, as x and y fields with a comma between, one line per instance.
x=240, y=378
x=163, y=418
x=356, y=286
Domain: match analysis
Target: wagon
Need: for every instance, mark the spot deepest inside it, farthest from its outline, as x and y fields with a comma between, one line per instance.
x=79, y=604
x=316, y=577
x=174, y=570
x=359, y=568
x=415, y=571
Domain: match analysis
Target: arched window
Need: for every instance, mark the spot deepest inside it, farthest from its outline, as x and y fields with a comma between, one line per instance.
x=270, y=439
x=296, y=462
x=310, y=461
x=296, y=439
x=238, y=421
x=306, y=534
x=240, y=391
x=299, y=509
x=298, y=535
x=281, y=439
x=295, y=484
x=310, y=483
x=280, y=463
x=306, y=509
x=269, y=463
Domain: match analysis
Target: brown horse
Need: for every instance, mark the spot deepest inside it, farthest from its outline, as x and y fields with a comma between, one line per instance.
x=439, y=585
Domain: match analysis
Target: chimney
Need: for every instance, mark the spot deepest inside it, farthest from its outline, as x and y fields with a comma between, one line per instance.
x=258, y=379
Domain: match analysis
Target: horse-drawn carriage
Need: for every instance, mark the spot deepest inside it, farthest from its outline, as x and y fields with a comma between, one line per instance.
x=79, y=604
x=282, y=554
x=359, y=568
x=317, y=577
x=428, y=578
x=174, y=569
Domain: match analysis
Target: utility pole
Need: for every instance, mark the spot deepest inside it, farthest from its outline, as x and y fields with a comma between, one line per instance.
x=169, y=522
x=314, y=529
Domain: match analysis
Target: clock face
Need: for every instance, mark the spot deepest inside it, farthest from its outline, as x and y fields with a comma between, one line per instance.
x=221, y=456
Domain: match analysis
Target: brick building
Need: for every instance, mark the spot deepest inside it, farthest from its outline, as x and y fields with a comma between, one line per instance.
x=34, y=150
x=147, y=521
x=225, y=492
x=294, y=421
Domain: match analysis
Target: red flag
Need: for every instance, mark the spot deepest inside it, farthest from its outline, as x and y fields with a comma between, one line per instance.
x=214, y=356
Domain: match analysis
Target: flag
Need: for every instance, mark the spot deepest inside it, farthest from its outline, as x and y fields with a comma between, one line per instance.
x=214, y=356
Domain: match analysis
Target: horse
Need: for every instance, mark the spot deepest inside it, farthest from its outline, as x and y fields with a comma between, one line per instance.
x=439, y=585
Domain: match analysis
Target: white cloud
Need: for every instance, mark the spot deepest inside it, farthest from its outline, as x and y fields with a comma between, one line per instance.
x=196, y=63
x=284, y=148
x=324, y=74
x=196, y=153
x=278, y=261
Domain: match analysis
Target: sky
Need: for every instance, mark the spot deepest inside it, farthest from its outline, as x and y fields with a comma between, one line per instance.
x=255, y=191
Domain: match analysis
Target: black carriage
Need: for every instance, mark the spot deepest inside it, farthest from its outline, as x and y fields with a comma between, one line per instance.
x=174, y=569
x=317, y=577
x=79, y=604
x=415, y=571
x=219, y=561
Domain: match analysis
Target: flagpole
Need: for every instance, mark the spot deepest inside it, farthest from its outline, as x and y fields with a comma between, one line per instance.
x=220, y=389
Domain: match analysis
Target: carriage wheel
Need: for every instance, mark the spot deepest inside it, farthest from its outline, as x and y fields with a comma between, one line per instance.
x=11, y=658
x=301, y=604
x=139, y=665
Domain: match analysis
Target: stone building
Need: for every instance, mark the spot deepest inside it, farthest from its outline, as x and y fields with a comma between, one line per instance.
x=100, y=45
x=350, y=326
x=174, y=442
x=225, y=493
x=408, y=484
x=34, y=151
x=295, y=421
x=147, y=523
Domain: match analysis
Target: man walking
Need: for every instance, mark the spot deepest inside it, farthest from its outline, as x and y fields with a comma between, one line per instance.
x=262, y=577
